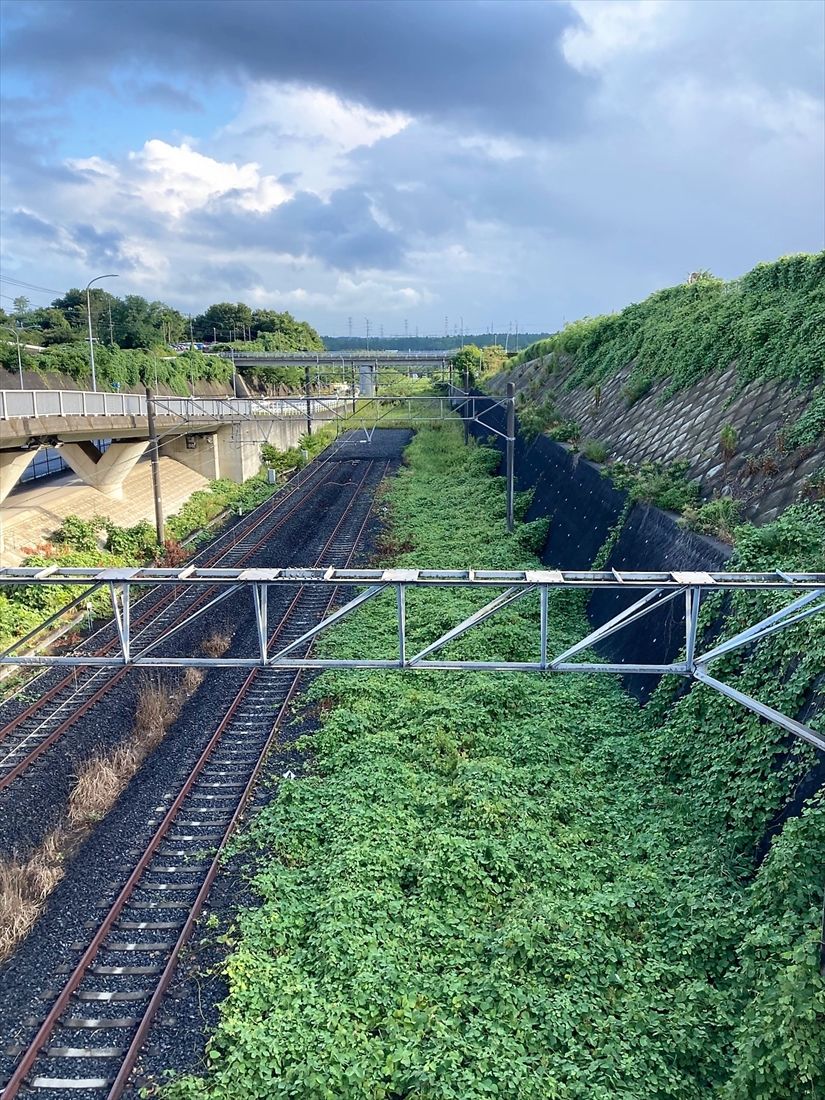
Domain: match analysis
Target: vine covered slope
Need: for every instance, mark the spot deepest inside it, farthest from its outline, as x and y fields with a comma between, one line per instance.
x=770, y=323
x=528, y=887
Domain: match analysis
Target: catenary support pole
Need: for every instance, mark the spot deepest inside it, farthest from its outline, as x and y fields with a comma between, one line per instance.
x=511, y=452
x=465, y=411
x=308, y=399
x=352, y=383
x=154, y=460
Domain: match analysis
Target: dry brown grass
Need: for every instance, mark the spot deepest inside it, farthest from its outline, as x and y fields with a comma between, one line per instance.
x=216, y=644
x=24, y=886
x=26, y=883
x=192, y=679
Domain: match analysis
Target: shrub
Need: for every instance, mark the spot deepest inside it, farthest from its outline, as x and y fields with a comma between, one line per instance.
x=635, y=389
x=594, y=450
x=659, y=483
x=728, y=439
x=719, y=518
x=566, y=431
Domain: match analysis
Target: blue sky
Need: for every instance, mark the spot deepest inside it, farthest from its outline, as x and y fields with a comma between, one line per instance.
x=526, y=162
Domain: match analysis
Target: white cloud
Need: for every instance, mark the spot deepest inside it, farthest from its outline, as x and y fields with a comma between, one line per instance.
x=306, y=131
x=612, y=28
x=307, y=115
x=176, y=179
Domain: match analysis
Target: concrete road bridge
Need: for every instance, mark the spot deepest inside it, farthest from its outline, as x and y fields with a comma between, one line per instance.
x=420, y=359
x=216, y=436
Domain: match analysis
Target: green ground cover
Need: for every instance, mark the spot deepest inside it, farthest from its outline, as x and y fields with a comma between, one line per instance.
x=529, y=888
x=121, y=367
x=770, y=323
x=100, y=542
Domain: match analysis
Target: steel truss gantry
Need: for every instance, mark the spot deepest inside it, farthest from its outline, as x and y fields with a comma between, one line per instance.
x=655, y=590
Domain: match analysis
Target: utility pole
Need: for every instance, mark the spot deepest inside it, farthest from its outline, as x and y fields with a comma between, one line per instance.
x=352, y=382
x=16, y=335
x=111, y=328
x=214, y=335
x=367, y=321
x=511, y=442
x=191, y=334
x=154, y=460
x=466, y=405
x=349, y=324
x=308, y=399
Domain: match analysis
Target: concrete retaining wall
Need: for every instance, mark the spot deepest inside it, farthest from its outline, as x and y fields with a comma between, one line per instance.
x=763, y=473
x=584, y=507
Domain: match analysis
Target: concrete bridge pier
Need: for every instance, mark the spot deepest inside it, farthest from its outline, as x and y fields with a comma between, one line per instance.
x=12, y=467
x=105, y=471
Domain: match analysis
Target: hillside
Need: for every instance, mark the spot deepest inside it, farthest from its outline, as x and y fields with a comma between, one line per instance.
x=723, y=378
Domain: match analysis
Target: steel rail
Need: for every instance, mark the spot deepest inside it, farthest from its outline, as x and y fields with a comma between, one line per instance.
x=112, y=681
x=168, y=599
x=32, y=1052
x=142, y=1032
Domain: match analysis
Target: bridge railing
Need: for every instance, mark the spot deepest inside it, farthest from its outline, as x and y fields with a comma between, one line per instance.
x=18, y=404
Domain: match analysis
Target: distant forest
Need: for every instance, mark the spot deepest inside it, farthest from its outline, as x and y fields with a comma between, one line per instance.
x=431, y=343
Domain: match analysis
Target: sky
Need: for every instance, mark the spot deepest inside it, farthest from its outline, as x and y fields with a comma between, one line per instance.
x=420, y=164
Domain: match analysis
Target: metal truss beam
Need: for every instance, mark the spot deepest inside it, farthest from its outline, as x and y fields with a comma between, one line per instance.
x=657, y=589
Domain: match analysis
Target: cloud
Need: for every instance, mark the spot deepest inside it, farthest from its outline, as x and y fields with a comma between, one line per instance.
x=341, y=232
x=497, y=65
x=502, y=160
x=176, y=179
x=162, y=94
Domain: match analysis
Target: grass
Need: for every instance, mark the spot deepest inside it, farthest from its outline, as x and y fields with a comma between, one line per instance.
x=25, y=884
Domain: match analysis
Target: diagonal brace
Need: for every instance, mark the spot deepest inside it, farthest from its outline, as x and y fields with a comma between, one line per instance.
x=56, y=615
x=651, y=601
x=188, y=620
x=335, y=617
x=478, y=617
x=778, y=621
x=763, y=710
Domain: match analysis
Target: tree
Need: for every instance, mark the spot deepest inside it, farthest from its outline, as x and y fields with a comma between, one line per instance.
x=224, y=320
x=21, y=305
x=281, y=332
x=53, y=326
x=469, y=360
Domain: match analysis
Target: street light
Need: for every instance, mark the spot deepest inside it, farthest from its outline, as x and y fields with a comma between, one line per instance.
x=89, y=319
x=19, y=358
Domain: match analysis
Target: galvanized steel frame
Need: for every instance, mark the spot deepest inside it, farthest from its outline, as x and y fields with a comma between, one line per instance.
x=656, y=590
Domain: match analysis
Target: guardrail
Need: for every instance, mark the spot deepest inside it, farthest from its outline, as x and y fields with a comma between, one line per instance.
x=336, y=357
x=18, y=404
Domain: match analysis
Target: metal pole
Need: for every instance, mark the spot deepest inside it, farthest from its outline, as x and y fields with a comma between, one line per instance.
x=19, y=357
x=308, y=399
x=511, y=440
x=154, y=460
x=352, y=382
x=465, y=410
x=96, y=279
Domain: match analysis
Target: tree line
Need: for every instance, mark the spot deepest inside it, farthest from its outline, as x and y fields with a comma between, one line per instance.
x=134, y=322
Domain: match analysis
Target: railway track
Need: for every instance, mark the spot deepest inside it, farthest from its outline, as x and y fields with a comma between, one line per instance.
x=28, y=735
x=113, y=993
